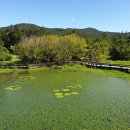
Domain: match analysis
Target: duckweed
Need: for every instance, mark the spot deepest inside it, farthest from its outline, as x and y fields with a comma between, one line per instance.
x=67, y=91
x=78, y=86
x=56, y=90
x=13, y=88
x=75, y=86
x=70, y=86
x=26, y=77
x=58, y=94
x=67, y=94
x=103, y=103
x=74, y=93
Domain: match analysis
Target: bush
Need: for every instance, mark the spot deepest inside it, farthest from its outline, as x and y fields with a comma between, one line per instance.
x=52, y=48
x=5, y=57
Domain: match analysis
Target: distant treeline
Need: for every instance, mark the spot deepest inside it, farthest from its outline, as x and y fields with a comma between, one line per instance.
x=36, y=44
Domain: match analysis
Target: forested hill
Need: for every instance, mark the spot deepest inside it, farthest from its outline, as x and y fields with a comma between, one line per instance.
x=31, y=29
x=12, y=34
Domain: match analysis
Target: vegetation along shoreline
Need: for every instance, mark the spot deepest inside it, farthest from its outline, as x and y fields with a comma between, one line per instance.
x=71, y=67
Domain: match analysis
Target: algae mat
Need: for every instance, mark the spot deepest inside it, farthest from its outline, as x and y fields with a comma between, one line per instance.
x=54, y=100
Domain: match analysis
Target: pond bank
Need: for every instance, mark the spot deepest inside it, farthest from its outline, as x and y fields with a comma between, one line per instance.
x=74, y=67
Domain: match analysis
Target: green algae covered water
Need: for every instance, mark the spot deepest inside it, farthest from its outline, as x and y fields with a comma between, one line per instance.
x=55, y=100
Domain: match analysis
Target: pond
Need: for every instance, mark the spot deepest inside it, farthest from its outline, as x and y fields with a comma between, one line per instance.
x=56, y=100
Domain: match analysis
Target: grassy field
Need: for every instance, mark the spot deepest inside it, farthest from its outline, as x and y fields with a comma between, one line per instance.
x=121, y=62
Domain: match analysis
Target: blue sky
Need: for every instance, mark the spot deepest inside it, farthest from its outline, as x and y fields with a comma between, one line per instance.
x=106, y=15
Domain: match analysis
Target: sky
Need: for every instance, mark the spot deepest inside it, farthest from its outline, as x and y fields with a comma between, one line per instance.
x=104, y=15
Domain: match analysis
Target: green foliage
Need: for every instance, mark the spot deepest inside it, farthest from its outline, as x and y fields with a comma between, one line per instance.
x=98, y=51
x=29, y=51
x=13, y=34
x=78, y=46
x=52, y=48
x=4, y=54
x=59, y=45
x=13, y=59
x=121, y=49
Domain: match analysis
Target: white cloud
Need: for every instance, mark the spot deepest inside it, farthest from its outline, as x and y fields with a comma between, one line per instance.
x=73, y=19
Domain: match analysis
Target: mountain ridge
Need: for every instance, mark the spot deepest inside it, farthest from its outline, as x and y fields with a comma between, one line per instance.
x=39, y=30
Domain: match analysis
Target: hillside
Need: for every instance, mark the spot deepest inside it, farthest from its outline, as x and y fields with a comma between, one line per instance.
x=37, y=30
x=12, y=34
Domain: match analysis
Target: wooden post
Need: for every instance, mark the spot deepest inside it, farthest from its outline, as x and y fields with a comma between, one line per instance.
x=110, y=66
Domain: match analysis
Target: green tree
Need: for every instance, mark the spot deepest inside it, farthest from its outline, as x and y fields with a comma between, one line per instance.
x=29, y=51
x=52, y=48
x=98, y=51
x=79, y=46
x=121, y=49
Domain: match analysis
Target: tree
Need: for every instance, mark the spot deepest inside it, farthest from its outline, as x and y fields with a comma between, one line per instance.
x=79, y=46
x=121, y=49
x=29, y=51
x=98, y=51
x=52, y=48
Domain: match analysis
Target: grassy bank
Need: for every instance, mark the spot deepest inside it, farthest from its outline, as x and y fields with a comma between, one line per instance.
x=4, y=71
x=75, y=67
x=118, y=62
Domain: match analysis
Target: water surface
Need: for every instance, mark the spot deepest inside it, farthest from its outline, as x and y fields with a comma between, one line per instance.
x=102, y=103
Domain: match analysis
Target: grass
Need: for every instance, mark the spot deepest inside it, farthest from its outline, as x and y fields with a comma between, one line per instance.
x=75, y=67
x=69, y=67
x=121, y=62
x=113, y=73
x=3, y=71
